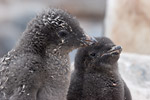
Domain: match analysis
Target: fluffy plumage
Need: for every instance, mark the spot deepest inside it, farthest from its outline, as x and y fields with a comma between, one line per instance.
x=96, y=75
x=38, y=68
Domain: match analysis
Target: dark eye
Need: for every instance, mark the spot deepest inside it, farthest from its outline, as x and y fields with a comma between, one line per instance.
x=93, y=54
x=63, y=33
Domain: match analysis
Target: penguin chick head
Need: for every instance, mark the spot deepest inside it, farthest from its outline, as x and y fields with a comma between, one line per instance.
x=105, y=52
x=57, y=27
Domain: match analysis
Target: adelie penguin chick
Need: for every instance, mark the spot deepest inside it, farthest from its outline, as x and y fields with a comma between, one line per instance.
x=38, y=68
x=96, y=75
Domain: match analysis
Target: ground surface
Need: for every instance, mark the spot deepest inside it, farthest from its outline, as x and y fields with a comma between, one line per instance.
x=135, y=70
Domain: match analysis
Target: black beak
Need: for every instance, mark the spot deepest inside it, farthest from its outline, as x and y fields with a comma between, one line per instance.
x=115, y=50
x=87, y=41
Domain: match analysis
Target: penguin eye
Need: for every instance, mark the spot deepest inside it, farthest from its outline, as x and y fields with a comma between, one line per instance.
x=93, y=54
x=62, y=33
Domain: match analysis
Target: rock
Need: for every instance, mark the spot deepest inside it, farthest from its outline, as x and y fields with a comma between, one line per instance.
x=128, y=24
x=135, y=70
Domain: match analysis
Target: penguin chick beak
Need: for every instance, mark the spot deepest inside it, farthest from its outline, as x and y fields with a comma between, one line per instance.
x=115, y=50
x=87, y=41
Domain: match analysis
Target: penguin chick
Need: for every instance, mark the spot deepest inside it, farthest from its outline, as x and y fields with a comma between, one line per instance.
x=37, y=68
x=96, y=75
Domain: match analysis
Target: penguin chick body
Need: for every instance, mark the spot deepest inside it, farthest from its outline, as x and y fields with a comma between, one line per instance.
x=96, y=75
x=38, y=68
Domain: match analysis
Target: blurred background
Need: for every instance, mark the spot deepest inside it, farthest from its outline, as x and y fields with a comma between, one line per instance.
x=126, y=22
